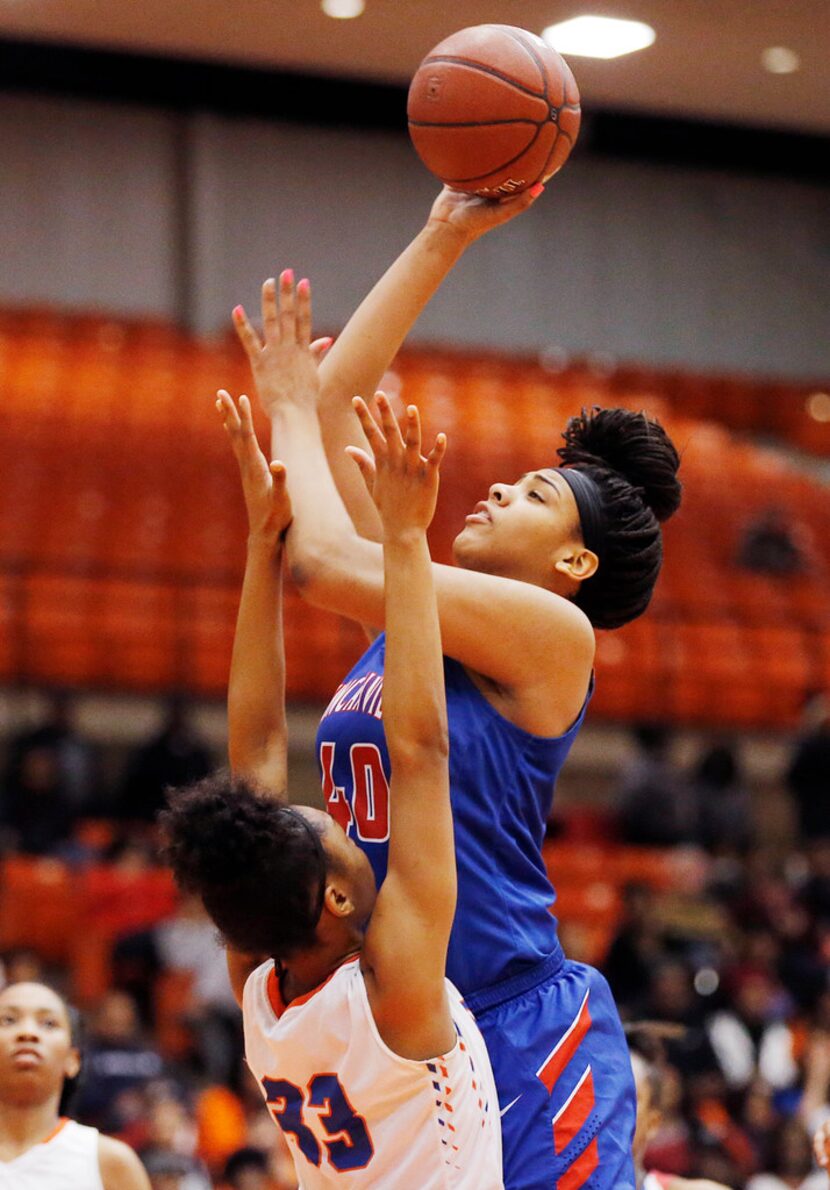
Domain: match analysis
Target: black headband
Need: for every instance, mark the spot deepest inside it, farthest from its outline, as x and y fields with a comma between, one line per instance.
x=589, y=506
x=321, y=858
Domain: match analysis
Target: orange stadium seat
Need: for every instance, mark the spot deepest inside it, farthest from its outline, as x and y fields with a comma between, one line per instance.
x=121, y=513
x=38, y=907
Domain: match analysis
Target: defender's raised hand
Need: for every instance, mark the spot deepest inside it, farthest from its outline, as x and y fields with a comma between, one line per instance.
x=284, y=361
x=263, y=484
x=401, y=480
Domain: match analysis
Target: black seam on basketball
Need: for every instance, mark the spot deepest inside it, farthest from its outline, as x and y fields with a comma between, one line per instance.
x=530, y=50
x=554, y=143
x=500, y=166
x=474, y=123
x=505, y=78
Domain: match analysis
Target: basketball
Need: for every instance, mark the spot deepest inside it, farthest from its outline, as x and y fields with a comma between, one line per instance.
x=492, y=110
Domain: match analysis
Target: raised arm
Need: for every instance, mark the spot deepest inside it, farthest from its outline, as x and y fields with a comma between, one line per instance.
x=257, y=734
x=533, y=644
x=257, y=730
x=373, y=335
x=407, y=939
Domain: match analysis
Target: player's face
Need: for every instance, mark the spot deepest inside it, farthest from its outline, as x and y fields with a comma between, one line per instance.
x=36, y=1050
x=350, y=867
x=521, y=530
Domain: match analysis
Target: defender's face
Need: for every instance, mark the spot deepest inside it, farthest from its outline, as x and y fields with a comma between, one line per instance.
x=36, y=1050
x=518, y=530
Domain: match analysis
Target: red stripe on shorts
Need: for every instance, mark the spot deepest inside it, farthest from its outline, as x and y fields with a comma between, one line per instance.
x=577, y=1175
x=566, y=1047
x=574, y=1112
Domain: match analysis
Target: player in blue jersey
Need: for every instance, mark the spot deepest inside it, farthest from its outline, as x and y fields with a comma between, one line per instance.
x=541, y=562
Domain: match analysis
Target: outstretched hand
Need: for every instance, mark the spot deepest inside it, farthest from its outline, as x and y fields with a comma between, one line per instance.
x=472, y=216
x=821, y=1146
x=284, y=361
x=401, y=480
x=263, y=484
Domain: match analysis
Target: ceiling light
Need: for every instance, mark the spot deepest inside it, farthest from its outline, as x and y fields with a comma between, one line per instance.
x=342, y=10
x=818, y=406
x=599, y=37
x=777, y=59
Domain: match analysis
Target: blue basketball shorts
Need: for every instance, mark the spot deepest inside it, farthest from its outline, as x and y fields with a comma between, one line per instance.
x=563, y=1074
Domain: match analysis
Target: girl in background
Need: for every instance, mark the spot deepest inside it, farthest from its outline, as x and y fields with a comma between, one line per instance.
x=40, y=1060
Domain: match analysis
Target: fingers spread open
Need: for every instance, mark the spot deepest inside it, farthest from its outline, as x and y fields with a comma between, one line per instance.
x=304, y=312
x=388, y=421
x=246, y=334
x=227, y=410
x=436, y=455
x=365, y=463
x=320, y=347
x=246, y=420
x=288, y=315
x=270, y=314
x=371, y=429
x=412, y=431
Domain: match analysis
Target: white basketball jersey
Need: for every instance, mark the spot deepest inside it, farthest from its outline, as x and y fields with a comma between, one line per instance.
x=354, y=1113
x=67, y=1160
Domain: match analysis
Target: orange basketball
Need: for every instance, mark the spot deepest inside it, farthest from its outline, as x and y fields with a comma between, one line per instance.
x=493, y=110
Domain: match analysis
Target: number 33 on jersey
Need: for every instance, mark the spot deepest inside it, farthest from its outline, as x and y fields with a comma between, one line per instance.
x=354, y=1113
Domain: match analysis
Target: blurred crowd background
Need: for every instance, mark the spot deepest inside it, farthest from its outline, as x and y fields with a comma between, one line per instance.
x=703, y=895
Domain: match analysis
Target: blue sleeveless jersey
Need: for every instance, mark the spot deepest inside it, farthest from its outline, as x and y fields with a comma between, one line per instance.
x=501, y=780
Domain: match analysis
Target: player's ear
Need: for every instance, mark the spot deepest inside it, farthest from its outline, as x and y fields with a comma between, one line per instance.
x=72, y=1065
x=577, y=562
x=337, y=901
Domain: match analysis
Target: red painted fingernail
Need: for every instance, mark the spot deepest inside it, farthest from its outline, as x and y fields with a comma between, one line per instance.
x=287, y=276
x=303, y=286
x=328, y=340
x=238, y=312
x=537, y=189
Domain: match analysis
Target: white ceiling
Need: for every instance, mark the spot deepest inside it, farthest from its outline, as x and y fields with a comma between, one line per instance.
x=705, y=62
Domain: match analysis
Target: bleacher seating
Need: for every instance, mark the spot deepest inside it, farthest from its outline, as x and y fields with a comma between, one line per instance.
x=122, y=525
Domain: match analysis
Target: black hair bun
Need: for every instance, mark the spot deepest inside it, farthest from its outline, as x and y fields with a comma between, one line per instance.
x=633, y=445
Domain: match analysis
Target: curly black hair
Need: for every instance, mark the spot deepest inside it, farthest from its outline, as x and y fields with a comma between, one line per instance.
x=634, y=464
x=258, y=866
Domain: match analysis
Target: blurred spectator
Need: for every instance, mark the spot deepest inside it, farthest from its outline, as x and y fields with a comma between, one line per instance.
x=808, y=775
x=49, y=781
x=759, y=1118
x=750, y=1038
x=792, y=1163
x=650, y=1078
x=169, y=1171
x=165, y=1133
x=672, y=998
x=188, y=942
x=815, y=891
x=635, y=948
x=118, y=1061
x=722, y=801
x=769, y=546
x=249, y=1169
x=176, y=756
x=21, y=966
x=652, y=798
